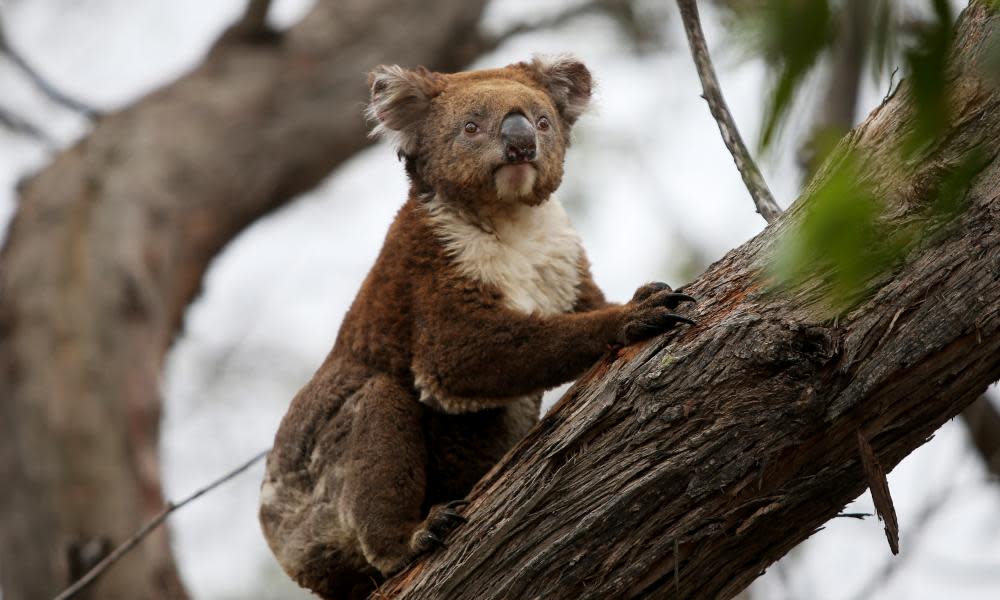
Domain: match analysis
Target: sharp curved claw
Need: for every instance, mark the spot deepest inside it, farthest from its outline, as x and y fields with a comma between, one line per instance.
x=454, y=516
x=681, y=297
x=434, y=539
x=457, y=503
x=681, y=319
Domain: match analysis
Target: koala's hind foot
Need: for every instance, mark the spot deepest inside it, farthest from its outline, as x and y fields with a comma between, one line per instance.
x=429, y=535
x=385, y=482
x=440, y=521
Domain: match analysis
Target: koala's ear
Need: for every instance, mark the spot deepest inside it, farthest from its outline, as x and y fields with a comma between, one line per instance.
x=568, y=81
x=400, y=100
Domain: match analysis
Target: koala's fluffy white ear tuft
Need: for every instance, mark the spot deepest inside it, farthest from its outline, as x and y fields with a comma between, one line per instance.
x=568, y=81
x=400, y=99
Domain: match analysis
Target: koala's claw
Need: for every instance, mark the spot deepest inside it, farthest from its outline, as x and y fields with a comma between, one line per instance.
x=673, y=299
x=452, y=516
x=649, y=289
x=441, y=520
x=660, y=294
x=650, y=324
x=430, y=538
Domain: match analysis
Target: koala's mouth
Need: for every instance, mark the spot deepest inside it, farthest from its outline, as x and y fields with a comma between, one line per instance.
x=514, y=165
x=515, y=180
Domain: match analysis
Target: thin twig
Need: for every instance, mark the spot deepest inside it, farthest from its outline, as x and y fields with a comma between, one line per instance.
x=18, y=125
x=488, y=43
x=889, y=93
x=145, y=530
x=857, y=515
x=752, y=178
x=40, y=82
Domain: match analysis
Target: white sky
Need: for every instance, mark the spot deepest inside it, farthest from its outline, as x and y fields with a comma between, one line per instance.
x=648, y=182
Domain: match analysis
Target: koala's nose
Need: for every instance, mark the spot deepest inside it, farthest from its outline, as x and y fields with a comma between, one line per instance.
x=518, y=138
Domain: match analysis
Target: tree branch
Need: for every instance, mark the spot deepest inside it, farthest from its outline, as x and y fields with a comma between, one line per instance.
x=252, y=26
x=982, y=421
x=40, y=81
x=153, y=523
x=622, y=11
x=762, y=198
x=255, y=16
x=837, y=109
x=20, y=126
x=687, y=465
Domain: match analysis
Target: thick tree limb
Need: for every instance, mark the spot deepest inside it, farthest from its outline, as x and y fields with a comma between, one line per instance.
x=684, y=467
x=109, y=245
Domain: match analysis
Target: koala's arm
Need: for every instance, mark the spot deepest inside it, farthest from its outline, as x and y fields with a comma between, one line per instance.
x=590, y=296
x=482, y=349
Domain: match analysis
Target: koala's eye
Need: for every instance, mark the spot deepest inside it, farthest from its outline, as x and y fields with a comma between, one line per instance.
x=471, y=127
x=543, y=123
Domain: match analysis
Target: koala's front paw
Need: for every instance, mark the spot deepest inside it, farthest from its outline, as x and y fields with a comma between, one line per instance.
x=650, y=314
x=440, y=521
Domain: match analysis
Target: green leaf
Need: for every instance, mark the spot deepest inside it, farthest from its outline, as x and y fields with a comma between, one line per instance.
x=927, y=62
x=838, y=240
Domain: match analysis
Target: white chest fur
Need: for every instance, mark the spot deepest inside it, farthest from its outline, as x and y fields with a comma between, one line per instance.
x=533, y=255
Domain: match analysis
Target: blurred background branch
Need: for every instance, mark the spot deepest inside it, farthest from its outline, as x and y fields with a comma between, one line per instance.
x=42, y=83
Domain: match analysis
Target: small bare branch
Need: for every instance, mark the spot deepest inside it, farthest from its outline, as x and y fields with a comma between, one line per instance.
x=252, y=25
x=145, y=530
x=41, y=82
x=622, y=11
x=752, y=178
x=861, y=516
x=255, y=16
x=20, y=126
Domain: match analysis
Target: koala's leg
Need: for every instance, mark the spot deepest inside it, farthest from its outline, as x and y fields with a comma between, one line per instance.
x=386, y=479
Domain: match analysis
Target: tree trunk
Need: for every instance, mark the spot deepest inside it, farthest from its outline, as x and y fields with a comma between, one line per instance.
x=683, y=467
x=110, y=243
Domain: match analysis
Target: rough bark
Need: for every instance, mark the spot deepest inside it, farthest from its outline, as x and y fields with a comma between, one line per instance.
x=684, y=467
x=110, y=243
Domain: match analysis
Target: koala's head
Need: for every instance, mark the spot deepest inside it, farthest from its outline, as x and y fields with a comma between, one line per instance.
x=490, y=136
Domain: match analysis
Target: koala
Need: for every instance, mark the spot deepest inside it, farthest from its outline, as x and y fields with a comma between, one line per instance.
x=480, y=300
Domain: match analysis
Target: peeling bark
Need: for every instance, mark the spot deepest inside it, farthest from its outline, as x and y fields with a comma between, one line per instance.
x=684, y=467
x=109, y=245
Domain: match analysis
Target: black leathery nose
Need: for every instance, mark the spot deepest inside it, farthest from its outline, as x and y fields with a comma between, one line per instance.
x=518, y=138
